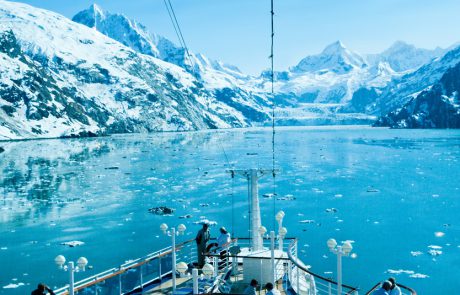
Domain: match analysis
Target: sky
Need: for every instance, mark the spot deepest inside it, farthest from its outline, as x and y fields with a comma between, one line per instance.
x=238, y=31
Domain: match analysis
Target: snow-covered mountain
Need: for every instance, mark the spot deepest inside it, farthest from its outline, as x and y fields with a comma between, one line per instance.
x=59, y=78
x=104, y=73
x=403, y=57
x=329, y=77
x=404, y=88
x=334, y=58
x=136, y=36
x=436, y=107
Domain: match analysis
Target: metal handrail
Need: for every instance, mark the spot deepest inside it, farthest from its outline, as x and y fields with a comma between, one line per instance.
x=412, y=291
x=110, y=273
x=317, y=276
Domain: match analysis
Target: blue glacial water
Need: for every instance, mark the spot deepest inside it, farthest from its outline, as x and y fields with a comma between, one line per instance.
x=395, y=191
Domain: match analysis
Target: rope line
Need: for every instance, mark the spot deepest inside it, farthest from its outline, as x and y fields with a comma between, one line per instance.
x=273, y=109
x=180, y=36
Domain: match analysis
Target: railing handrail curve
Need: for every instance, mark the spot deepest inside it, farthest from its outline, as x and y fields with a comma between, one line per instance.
x=294, y=261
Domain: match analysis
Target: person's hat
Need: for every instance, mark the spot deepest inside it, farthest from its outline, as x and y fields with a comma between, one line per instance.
x=386, y=285
x=223, y=229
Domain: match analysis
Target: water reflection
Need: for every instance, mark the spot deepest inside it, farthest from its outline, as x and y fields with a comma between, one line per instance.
x=36, y=175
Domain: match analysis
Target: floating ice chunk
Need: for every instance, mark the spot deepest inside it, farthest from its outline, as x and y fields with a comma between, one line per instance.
x=434, y=247
x=439, y=234
x=372, y=190
x=185, y=216
x=418, y=276
x=269, y=195
x=13, y=286
x=206, y=221
x=73, y=243
x=331, y=210
x=435, y=195
x=400, y=271
x=4, y=248
x=338, y=195
x=287, y=197
x=433, y=252
x=416, y=253
x=307, y=221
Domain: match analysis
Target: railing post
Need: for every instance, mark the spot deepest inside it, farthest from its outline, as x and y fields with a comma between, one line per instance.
x=339, y=270
x=173, y=242
x=216, y=265
x=330, y=289
x=159, y=267
x=289, y=270
x=119, y=283
x=71, y=270
x=298, y=280
x=272, y=248
x=195, y=280
x=141, y=277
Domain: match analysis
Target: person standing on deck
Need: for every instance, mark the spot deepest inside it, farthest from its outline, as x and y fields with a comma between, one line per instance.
x=271, y=290
x=202, y=239
x=252, y=288
x=394, y=290
x=384, y=290
x=223, y=240
x=41, y=288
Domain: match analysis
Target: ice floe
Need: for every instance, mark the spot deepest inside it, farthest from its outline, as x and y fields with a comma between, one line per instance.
x=206, y=221
x=13, y=286
x=73, y=243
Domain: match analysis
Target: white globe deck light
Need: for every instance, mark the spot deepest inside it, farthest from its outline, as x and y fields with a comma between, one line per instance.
x=262, y=230
x=182, y=267
x=347, y=247
x=59, y=260
x=181, y=229
x=164, y=227
x=331, y=244
x=283, y=232
x=172, y=233
x=71, y=268
x=280, y=215
x=339, y=250
x=208, y=270
x=82, y=262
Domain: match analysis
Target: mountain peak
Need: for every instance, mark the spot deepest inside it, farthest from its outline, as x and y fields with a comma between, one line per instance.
x=399, y=46
x=96, y=10
x=335, y=57
x=91, y=16
x=334, y=48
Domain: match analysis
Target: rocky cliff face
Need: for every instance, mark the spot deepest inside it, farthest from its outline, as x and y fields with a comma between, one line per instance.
x=436, y=107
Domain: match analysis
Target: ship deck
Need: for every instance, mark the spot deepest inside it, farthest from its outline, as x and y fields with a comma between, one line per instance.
x=184, y=285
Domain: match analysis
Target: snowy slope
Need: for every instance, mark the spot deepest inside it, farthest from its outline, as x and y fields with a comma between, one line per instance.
x=131, y=33
x=334, y=58
x=405, y=87
x=89, y=83
x=403, y=57
x=436, y=107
